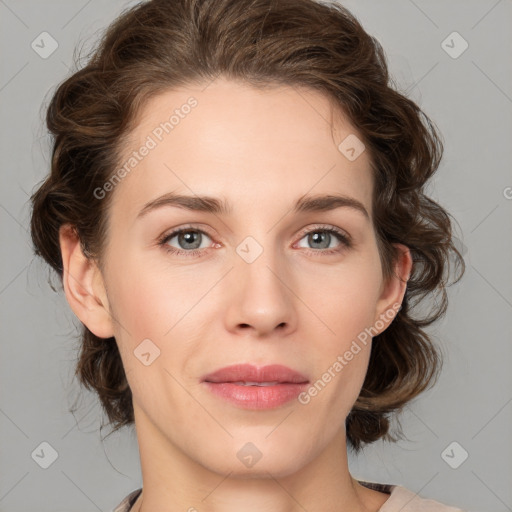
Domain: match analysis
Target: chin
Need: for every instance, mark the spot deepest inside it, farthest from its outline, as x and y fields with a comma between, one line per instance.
x=257, y=459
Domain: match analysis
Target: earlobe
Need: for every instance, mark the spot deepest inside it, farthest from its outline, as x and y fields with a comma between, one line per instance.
x=393, y=290
x=83, y=285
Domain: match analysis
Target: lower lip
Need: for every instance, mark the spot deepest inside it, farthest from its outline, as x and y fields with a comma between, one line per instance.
x=256, y=397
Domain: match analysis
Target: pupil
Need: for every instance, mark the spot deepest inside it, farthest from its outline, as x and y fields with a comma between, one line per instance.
x=317, y=237
x=189, y=237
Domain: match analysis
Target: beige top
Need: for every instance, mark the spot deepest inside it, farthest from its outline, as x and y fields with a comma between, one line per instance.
x=400, y=500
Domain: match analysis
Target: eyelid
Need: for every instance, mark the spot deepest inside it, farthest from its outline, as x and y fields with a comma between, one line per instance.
x=204, y=229
x=186, y=227
x=326, y=227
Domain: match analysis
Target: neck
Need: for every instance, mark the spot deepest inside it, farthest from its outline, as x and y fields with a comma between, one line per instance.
x=172, y=480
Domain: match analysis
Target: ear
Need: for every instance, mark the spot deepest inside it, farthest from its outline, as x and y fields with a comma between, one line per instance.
x=83, y=285
x=393, y=290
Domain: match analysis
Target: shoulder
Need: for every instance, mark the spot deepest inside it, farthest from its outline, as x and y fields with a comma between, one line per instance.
x=400, y=499
x=128, y=502
x=404, y=500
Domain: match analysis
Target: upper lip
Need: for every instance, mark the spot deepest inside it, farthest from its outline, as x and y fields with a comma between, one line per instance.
x=251, y=373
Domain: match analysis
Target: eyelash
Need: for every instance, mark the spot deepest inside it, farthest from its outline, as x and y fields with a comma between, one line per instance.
x=342, y=237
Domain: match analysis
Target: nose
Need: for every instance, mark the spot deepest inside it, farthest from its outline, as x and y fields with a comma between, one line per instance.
x=262, y=300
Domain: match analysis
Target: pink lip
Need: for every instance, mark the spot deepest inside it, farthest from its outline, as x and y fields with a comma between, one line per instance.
x=226, y=384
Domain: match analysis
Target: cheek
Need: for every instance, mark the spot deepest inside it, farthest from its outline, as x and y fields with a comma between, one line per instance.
x=343, y=298
x=149, y=298
x=157, y=311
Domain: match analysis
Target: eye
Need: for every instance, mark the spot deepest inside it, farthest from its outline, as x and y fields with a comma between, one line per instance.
x=188, y=240
x=322, y=236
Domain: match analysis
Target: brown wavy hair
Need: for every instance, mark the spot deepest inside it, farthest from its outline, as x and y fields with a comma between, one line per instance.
x=161, y=44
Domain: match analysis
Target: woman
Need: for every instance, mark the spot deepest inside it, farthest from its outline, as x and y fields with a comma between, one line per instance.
x=199, y=157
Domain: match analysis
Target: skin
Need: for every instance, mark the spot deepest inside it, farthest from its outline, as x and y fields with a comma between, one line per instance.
x=260, y=150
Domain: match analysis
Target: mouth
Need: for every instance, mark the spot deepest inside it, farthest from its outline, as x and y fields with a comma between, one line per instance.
x=242, y=383
x=250, y=387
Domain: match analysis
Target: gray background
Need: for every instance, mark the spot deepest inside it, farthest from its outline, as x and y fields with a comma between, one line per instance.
x=470, y=99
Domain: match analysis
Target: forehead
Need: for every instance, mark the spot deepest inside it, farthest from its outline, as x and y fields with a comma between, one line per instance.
x=232, y=140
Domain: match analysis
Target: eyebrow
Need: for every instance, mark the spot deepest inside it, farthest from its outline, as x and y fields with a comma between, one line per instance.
x=208, y=204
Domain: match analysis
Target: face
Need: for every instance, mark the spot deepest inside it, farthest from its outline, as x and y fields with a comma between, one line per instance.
x=258, y=283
